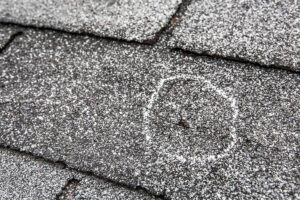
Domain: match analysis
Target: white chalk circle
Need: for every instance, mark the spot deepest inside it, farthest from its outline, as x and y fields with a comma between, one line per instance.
x=194, y=159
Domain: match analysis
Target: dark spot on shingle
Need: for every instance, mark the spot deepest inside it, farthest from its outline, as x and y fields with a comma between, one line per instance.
x=247, y=140
x=183, y=123
x=75, y=76
x=214, y=169
x=76, y=114
x=245, y=6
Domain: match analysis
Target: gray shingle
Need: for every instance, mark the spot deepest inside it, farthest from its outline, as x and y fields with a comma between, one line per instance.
x=176, y=125
x=264, y=32
x=138, y=20
x=25, y=177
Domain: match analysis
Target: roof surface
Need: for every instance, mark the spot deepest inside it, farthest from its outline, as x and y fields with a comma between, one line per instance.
x=99, y=118
x=138, y=20
x=264, y=32
x=27, y=177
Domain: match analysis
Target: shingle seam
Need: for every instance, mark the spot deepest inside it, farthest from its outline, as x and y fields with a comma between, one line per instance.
x=18, y=151
x=172, y=21
x=166, y=30
x=71, y=181
x=10, y=41
x=234, y=59
x=63, y=165
x=73, y=33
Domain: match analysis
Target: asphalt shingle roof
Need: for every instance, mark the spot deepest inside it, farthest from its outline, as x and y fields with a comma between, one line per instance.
x=264, y=32
x=147, y=121
x=138, y=20
x=24, y=177
x=146, y=116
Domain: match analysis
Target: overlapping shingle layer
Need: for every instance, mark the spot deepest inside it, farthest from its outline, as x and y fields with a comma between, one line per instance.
x=89, y=187
x=138, y=20
x=264, y=32
x=135, y=121
x=146, y=116
x=23, y=177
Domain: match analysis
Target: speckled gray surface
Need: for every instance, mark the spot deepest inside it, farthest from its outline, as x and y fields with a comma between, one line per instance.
x=25, y=177
x=89, y=187
x=264, y=32
x=5, y=34
x=179, y=126
x=138, y=20
x=92, y=188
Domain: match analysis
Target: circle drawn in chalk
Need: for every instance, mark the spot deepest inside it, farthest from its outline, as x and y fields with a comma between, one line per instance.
x=179, y=156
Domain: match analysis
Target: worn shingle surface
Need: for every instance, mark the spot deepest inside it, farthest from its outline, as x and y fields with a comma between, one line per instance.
x=138, y=20
x=177, y=125
x=24, y=177
x=264, y=32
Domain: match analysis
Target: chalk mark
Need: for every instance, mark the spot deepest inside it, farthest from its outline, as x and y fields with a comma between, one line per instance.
x=195, y=159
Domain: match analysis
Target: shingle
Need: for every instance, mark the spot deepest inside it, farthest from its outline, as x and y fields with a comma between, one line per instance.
x=138, y=20
x=177, y=125
x=25, y=177
x=264, y=32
